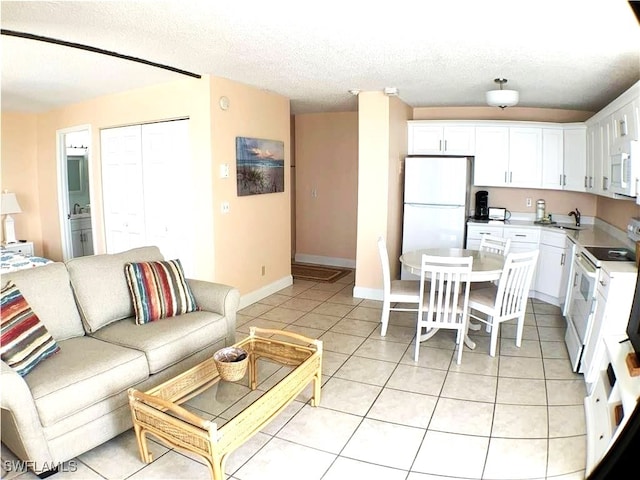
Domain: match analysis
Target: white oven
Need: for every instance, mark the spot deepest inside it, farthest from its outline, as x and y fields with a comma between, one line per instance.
x=582, y=305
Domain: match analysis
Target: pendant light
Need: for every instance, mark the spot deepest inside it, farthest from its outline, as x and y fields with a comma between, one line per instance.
x=502, y=98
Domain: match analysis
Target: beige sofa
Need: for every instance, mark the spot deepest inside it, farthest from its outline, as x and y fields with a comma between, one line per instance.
x=77, y=398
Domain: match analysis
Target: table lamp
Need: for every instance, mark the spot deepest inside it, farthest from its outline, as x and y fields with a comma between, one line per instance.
x=9, y=205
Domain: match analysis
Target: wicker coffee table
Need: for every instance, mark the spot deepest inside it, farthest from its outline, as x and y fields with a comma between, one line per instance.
x=158, y=411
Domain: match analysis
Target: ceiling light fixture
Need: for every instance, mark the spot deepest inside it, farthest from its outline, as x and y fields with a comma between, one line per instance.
x=502, y=98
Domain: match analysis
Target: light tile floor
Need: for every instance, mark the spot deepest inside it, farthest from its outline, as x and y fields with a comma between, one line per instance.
x=383, y=416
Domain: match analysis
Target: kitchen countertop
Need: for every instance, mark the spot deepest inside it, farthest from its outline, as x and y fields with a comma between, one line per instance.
x=589, y=235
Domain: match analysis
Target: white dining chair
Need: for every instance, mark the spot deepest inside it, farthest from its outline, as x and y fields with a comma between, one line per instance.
x=508, y=299
x=444, y=297
x=395, y=291
x=493, y=244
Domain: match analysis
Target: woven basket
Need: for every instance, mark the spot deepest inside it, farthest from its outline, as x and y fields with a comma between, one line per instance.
x=229, y=369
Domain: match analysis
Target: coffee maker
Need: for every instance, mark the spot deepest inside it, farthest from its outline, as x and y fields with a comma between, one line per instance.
x=482, y=205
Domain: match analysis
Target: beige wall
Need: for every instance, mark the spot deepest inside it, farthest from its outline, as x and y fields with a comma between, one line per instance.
x=257, y=230
x=493, y=113
x=183, y=98
x=230, y=248
x=557, y=202
x=373, y=185
x=20, y=173
x=326, y=150
x=617, y=212
x=399, y=113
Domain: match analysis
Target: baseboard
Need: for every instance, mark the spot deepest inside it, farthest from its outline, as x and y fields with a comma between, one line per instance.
x=368, y=293
x=545, y=298
x=329, y=261
x=257, y=295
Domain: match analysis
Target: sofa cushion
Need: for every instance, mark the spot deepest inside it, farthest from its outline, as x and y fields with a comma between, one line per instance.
x=48, y=290
x=25, y=341
x=84, y=372
x=101, y=286
x=159, y=290
x=168, y=340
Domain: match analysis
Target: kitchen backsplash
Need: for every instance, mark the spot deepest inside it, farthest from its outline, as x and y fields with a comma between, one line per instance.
x=614, y=212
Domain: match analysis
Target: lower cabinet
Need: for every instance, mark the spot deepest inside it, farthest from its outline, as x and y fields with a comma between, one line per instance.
x=475, y=232
x=554, y=261
x=554, y=257
x=81, y=237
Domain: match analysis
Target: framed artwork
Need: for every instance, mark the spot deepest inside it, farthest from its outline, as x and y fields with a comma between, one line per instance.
x=259, y=166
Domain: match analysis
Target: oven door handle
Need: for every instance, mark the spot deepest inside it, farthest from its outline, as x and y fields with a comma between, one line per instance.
x=585, y=267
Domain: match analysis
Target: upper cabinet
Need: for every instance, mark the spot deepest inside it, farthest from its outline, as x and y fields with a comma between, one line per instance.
x=625, y=126
x=558, y=156
x=441, y=139
x=491, y=163
x=553, y=175
x=525, y=157
x=575, y=176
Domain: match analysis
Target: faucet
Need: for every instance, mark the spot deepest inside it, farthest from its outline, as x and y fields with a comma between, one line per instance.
x=76, y=208
x=576, y=214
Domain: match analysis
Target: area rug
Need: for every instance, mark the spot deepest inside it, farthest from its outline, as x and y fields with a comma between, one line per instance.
x=318, y=273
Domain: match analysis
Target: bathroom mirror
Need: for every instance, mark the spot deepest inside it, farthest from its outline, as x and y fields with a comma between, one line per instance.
x=76, y=179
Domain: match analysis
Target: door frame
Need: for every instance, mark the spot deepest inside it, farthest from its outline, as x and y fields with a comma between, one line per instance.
x=63, y=187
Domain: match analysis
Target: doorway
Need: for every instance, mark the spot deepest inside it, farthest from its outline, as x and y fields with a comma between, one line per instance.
x=74, y=187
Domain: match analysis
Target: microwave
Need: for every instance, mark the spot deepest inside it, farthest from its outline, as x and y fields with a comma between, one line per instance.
x=625, y=171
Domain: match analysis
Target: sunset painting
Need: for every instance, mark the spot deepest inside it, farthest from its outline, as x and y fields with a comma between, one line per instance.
x=260, y=166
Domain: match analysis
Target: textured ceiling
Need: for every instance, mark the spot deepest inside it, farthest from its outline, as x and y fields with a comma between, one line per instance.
x=570, y=54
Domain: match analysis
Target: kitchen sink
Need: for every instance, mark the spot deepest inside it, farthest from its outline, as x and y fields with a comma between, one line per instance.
x=565, y=227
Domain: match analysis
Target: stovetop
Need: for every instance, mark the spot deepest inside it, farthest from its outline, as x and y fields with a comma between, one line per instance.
x=612, y=254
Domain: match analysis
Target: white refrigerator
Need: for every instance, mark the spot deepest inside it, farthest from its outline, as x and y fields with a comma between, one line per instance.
x=436, y=203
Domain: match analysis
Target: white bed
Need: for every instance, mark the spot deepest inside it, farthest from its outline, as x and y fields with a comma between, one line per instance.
x=12, y=261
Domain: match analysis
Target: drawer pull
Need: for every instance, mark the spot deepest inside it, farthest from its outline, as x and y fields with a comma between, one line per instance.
x=520, y=235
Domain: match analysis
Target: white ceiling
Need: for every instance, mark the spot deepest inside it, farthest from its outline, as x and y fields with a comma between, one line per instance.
x=570, y=54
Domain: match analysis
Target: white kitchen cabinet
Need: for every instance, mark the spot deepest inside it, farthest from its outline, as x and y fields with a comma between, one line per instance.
x=525, y=157
x=575, y=158
x=475, y=232
x=508, y=157
x=603, y=172
x=552, y=158
x=554, y=265
x=439, y=139
x=491, y=163
x=522, y=239
x=624, y=124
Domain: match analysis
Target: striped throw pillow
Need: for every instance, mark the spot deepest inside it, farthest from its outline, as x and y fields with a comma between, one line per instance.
x=25, y=341
x=158, y=290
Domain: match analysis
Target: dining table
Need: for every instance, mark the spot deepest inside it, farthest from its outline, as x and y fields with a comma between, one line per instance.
x=486, y=267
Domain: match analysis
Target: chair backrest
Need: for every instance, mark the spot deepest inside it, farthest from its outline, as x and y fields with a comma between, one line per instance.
x=514, y=283
x=447, y=290
x=384, y=260
x=493, y=244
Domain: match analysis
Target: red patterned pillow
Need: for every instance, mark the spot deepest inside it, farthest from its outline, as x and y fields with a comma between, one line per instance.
x=25, y=341
x=158, y=290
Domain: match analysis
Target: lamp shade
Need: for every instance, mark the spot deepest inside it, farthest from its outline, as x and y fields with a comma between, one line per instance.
x=502, y=98
x=10, y=204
